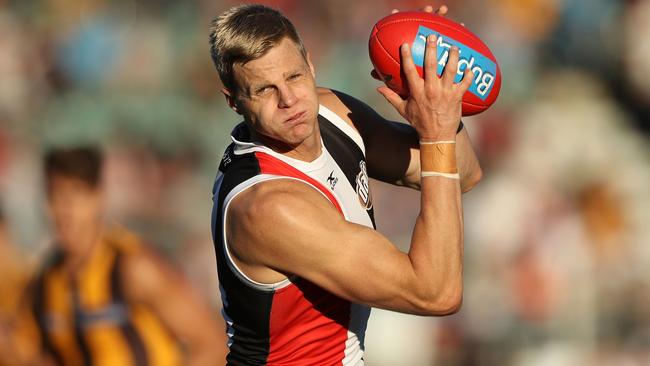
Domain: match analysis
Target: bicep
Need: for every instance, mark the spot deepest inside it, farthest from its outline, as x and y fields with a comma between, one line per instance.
x=301, y=233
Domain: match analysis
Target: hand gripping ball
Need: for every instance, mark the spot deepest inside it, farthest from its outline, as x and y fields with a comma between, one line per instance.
x=413, y=28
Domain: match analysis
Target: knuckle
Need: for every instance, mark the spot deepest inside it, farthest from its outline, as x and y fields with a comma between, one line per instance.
x=432, y=90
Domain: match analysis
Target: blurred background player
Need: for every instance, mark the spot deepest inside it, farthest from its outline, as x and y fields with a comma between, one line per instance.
x=14, y=273
x=102, y=297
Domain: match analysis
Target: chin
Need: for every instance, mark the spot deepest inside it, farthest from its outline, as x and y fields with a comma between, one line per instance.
x=300, y=133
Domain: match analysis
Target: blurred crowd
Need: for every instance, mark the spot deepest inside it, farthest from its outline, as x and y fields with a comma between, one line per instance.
x=557, y=237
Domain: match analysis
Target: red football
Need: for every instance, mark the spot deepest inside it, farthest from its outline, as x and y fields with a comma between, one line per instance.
x=413, y=27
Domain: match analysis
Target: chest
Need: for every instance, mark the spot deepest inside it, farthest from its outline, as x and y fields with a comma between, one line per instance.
x=347, y=179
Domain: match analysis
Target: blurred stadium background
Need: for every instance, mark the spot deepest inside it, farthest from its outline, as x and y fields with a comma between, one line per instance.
x=557, y=234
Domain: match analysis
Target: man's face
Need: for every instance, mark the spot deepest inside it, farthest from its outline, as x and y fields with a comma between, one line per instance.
x=277, y=94
x=76, y=211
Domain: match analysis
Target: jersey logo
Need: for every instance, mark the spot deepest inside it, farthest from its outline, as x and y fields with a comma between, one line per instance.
x=226, y=159
x=363, y=187
x=332, y=180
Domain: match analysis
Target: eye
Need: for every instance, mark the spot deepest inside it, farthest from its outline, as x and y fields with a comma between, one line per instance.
x=263, y=90
x=295, y=76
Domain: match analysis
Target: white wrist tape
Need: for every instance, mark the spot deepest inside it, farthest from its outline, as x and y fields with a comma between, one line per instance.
x=439, y=174
x=437, y=142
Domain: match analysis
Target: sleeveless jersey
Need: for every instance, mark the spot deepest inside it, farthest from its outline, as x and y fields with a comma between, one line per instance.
x=87, y=321
x=292, y=322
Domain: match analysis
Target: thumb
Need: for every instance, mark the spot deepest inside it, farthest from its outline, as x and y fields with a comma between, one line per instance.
x=393, y=98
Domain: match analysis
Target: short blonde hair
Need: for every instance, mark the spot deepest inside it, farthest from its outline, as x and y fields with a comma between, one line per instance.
x=245, y=33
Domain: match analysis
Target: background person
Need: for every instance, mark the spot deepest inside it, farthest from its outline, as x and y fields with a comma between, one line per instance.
x=103, y=297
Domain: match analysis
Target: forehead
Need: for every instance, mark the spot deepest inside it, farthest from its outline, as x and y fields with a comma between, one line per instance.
x=58, y=182
x=280, y=60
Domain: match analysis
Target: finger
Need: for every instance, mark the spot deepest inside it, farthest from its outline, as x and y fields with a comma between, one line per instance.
x=431, y=59
x=428, y=9
x=375, y=75
x=468, y=78
x=393, y=98
x=408, y=66
x=442, y=10
x=451, y=68
x=394, y=11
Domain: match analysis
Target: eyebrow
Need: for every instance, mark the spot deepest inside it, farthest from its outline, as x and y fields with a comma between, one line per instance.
x=255, y=88
x=260, y=87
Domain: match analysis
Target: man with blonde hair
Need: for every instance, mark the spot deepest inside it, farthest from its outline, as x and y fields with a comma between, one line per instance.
x=299, y=261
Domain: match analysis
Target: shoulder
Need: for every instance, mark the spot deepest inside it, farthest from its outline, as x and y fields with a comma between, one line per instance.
x=274, y=210
x=274, y=217
x=123, y=240
x=330, y=98
x=142, y=269
x=338, y=102
x=353, y=111
x=145, y=273
x=276, y=198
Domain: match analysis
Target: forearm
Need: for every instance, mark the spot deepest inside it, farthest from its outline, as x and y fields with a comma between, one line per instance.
x=436, y=251
x=468, y=165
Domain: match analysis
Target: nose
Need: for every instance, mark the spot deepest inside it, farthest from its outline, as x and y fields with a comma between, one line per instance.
x=287, y=97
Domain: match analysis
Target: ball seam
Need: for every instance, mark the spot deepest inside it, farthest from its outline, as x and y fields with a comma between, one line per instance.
x=381, y=45
x=461, y=30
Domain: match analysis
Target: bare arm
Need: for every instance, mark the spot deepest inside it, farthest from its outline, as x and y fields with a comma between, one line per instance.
x=289, y=228
x=468, y=165
x=152, y=281
x=20, y=340
x=392, y=149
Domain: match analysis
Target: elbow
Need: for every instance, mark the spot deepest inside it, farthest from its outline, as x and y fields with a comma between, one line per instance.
x=472, y=179
x=447, y=306
x=446, y=302
x=453, y=305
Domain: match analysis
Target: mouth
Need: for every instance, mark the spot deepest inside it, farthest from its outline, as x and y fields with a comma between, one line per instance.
x=296, y=117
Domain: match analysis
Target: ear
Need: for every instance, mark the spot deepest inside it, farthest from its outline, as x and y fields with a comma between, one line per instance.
x=311, y=65
x=232, y=103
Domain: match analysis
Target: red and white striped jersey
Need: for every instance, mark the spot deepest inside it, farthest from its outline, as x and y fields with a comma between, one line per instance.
x=292, y=322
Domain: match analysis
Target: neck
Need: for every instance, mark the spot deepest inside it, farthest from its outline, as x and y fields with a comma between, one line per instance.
x=76, y=259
